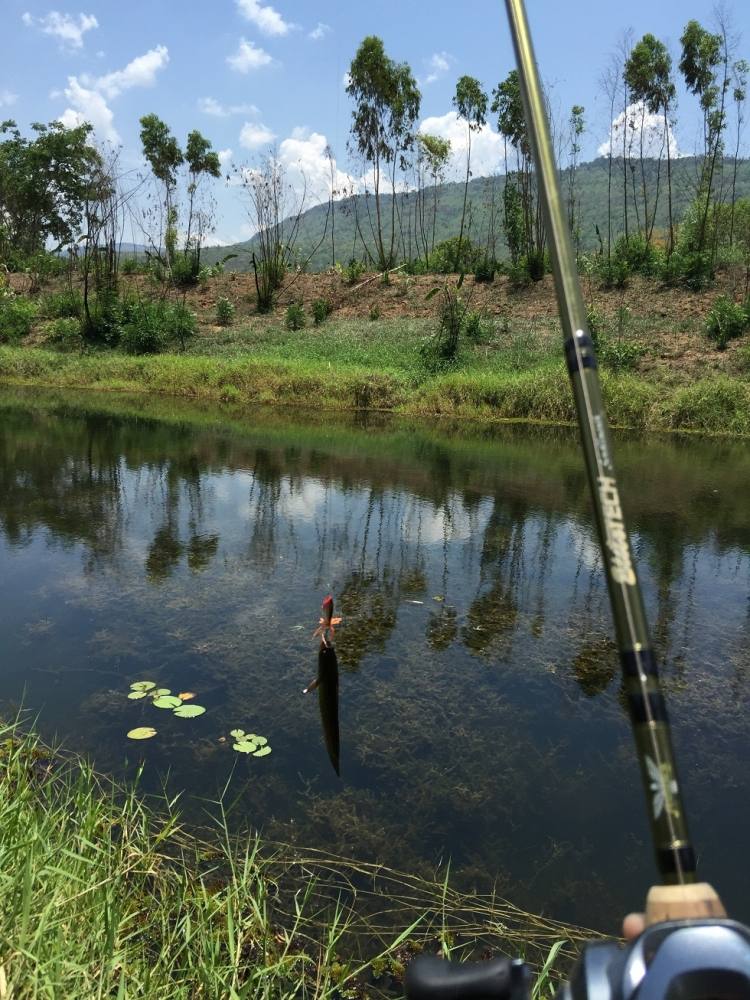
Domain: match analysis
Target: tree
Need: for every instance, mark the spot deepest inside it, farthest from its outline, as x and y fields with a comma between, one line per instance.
x=470, y=102
x=433, y=153
x=576, y=126
x=165, y=158
x=201, y=160
x=387, y=103
x=44, y=183
x=740, y=72
x=648, y=74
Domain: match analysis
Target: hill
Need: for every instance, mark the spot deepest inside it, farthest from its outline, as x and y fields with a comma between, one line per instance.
x=325, y=243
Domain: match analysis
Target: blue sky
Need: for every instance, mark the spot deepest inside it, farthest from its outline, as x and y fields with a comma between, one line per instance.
x=248, y=73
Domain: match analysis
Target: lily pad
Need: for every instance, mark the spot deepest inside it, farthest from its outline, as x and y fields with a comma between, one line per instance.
x=186, y=695
x=167, y=701
x=189, y=711
x=260, y=740
x=134, y=695
x=263, y=752
x=160, y=691
x=141, y=733
x=243, y=747
x=142, y=686
x=238, y=734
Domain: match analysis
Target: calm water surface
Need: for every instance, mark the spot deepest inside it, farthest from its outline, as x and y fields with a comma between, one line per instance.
x=479, y=700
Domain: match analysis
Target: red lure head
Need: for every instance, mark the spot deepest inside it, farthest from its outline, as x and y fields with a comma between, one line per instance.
x=327, y=607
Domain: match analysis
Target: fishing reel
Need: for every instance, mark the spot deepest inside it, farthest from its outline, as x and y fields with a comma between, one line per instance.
x=673, y=960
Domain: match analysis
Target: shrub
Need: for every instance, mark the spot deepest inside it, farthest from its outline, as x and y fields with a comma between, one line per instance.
x=375, y=312
x=295, y=316
x=105, y=318
x=63, y=304
x=17, y=316
x=726, y=321
x=473, y=326
x=595, y=324
x=66, y=334
x=179, y=322
x=518, y=274
x=454, y=255
x=484, y=272
x=185, y=269
x=209, y=271
x=321, y=310
x=613, y=271
x=640, y=256
x=691, y=269
x=620, y=355
x=536, y=264
x=224, y=312
x=129, y=265
x=353, y=271
x=416, y=266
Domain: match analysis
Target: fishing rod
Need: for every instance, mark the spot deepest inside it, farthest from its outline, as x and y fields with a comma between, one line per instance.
x=688, y=948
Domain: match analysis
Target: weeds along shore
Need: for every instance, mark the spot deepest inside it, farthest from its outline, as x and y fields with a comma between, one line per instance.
x=104, y=894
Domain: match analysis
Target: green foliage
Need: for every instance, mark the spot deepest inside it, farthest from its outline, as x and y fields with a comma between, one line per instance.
x=453, y=314
x=105, y=318
x=295, y=316
x=353, y=271
x=513, y=220
x=612, y=271
x=180, y=323
x=640, y=256
x=66, y=334
x=375, y=312
x=185, y=269
x=68, y=303
x=620, y=355
x=321, y=310
x=161, y=149
x=224, y=311
x=595, y=326
x=484, y=272
x=474, y=327
x=17, y=316
x=209, y=271
x=454, y=255
x=536, y=264
x=130, y=265
x=149, y=327
x=726, y=320
x=693, y=269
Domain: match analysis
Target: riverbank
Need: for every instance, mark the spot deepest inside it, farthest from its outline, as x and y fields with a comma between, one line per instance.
x=103, y=895
x=372, y=352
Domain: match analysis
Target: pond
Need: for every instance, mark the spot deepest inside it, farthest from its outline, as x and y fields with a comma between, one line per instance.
x=479, y=705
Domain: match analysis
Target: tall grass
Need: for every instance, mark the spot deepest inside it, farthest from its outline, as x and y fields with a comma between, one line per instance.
x=102, y=896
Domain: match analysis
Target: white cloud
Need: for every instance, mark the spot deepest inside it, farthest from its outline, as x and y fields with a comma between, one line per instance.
x=308, y=168
x=626, y=128
x=87, y=105
x=139, y=72
x=247, y=57
x=63, y=26
x=486, y=146
x=252, y=136
x=438, y=64
x=346, y=79
x=266, y=19
x=88, y=98
x=7, y=98
x=225, y=158
x=210, y=106
x=319, y=31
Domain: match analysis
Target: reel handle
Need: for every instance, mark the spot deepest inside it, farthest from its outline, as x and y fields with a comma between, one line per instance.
x=698, y=900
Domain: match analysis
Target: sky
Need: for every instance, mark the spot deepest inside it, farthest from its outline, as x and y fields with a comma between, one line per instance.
x=250, y=73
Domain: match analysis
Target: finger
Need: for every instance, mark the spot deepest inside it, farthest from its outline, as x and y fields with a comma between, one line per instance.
x=633, y=925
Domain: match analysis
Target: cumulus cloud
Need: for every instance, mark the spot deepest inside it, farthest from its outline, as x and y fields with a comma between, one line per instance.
x=87, y=98
x=254, y=135
x=64, y=27
x=438, y=64
x=7, y=98
x=626, y=128
x=486, y=146
x=248, y=56
x=225, y=158
x=308, y=167
x=319, y=31
x=266, y=19
x=210, y=106
x=87, y=105
x=139, y=72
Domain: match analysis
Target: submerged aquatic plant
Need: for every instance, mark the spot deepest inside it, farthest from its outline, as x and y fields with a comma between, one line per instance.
x=250, y=743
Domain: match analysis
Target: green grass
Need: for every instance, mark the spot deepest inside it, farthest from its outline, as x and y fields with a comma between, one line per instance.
x=101, y=896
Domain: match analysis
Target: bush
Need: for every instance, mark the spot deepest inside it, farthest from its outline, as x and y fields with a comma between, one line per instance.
x=66, y=334
x=149, y=327
x=17, y=316
x=224, y=312
x=473, y=326
x=64, y=304
x=691, y=269
x=453, y=256
x=353, y=271
x=295, y=316
x=129, y=265
x=209, y=271
x=105, y=319
x=321, y=310
x=638, y=255
x=726, y=321
x=613, y=271
x=518, y=274
x=179, y=322
x=375, y=312
x=620, y=355
x=536, y=264
x=484, y=272
x=416, y=266
x=595, y=324
x=185, y=269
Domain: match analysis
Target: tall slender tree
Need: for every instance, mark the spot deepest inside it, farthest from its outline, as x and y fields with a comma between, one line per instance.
x=470, y=102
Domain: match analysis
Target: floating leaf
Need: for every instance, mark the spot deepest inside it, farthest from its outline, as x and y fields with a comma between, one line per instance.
x=189, y=711
x=186, y=695
x=243, y=747
x=137, y=694
x=160, y=691
x=263, y=752
x=141, y=733
x=237, y=733
x=142, y=686
x=167, y=701
x=260, y=740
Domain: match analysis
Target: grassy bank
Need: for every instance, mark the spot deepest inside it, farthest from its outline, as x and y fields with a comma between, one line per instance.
x=719, y=404
x=102, y=896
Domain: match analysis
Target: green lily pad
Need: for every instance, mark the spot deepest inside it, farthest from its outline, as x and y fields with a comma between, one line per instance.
x=189, y=711
x=142, y=686
x=167, y=701
x=243, y=747
x=263, y=752
x=134, y=695
x=260, y=740
x=238, y=734
x=141, y=733
x=160, y=691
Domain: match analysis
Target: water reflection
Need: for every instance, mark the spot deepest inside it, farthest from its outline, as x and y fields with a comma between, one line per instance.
x=481, y=704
